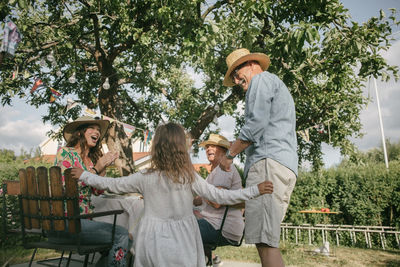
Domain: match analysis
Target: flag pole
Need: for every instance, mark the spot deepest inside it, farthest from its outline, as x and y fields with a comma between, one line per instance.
x=381, y=124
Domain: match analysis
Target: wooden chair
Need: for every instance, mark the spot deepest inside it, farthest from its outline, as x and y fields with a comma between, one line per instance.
x=55, y=212
x=209, y=248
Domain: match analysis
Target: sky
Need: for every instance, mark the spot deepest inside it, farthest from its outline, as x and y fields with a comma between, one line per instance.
x=21, y=125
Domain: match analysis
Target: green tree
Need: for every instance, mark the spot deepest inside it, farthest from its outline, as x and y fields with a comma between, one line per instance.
x=376, y=155
x=316, y=49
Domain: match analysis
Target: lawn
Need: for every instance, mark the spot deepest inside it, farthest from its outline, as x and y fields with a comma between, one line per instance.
x=294, y=256
x=303, y=256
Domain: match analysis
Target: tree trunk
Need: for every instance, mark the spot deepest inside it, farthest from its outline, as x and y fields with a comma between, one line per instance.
x=117, y=140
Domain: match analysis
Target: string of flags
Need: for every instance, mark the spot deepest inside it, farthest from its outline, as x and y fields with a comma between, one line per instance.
x=305, y=133
x=38, y=84
x=11, y=37
x=129, y=129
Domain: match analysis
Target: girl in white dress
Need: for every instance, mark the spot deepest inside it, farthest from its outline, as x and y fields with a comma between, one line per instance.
x=168, y=233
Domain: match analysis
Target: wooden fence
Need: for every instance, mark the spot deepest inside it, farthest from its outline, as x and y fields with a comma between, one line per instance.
x=331, y=231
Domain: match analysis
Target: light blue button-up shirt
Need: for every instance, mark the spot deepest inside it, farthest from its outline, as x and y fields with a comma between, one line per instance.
x=270, y=122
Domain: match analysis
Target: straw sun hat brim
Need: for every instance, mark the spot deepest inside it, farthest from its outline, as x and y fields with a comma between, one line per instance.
x=221, y=143
x=261, y=58
x=70, y=128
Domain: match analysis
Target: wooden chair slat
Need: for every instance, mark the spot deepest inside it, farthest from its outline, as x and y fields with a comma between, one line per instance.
x=71, y=190
x=43, y=188
x=32, y=191
x=57, y=191
x=24, y=191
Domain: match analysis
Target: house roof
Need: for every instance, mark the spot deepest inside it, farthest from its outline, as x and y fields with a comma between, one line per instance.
x=206, y=166
x=139, y=155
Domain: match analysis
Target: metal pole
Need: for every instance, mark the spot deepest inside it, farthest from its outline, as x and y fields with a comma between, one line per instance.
x=381, y=124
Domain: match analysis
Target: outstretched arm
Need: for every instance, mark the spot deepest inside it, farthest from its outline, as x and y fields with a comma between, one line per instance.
x=229, y=197
x=126, y=184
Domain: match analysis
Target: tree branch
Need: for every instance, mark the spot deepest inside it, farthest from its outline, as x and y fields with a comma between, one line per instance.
x=124, y=81
x=217, y=4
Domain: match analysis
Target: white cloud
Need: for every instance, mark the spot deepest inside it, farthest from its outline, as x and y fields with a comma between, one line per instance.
x=21, y=127
x=389, y=100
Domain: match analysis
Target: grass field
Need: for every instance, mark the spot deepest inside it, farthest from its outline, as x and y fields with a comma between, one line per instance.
x=294, y=256
x=303, y=256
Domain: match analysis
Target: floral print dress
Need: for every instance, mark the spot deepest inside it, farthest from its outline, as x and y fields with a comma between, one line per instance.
x=68, y=157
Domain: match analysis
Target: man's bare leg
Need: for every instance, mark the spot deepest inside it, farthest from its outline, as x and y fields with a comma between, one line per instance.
x=270, y=257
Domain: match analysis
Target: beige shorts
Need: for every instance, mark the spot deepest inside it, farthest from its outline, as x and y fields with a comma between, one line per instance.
x=265, y=213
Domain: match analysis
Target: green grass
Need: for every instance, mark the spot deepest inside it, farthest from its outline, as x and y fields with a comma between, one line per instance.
x=293, y=255
x=19, y=255
x=303, y=256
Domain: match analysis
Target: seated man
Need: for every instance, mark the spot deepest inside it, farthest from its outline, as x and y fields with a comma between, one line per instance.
x=211, y=215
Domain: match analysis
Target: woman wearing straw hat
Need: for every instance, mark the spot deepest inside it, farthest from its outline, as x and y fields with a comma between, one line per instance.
x=211, y=215
x=83, y=150
x=268, y=137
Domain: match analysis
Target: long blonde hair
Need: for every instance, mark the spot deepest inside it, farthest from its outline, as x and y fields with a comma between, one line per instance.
x=169, y=154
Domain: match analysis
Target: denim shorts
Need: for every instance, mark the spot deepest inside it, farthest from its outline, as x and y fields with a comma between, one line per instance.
x=265, y=213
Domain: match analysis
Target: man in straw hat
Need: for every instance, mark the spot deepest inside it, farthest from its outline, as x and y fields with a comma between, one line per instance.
x=211, y=215
x=268, y=137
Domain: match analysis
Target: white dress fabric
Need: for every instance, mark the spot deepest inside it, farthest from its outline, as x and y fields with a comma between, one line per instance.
x=168, y=233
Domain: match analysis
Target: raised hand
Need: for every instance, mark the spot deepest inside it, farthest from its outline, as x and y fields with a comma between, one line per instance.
x=265, y=187
x=107, y=159
x=76, y=173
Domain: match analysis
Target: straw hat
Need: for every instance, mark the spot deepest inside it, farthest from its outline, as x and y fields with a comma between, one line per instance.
x=71, y=127
x=240, y=56
x=216, y=139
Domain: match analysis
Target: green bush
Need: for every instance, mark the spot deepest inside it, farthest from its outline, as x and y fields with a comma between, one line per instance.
x=368, y=195
x=9, y=167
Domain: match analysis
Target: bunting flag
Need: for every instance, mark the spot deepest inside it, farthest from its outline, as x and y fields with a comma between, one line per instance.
x=38, y=84
x=305, y=135
x=55, y=92
x=90, y=112
x=107, y=118
x=149, y=136
x=320, y=128
x=146, y=134
x=15, y=73
x=70, y=104
x=11, y=37
x=129, y=129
